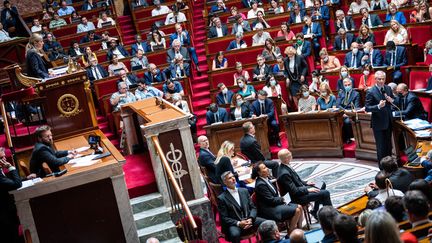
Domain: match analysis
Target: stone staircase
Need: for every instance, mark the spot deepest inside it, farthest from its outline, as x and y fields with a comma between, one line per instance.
x=152, y=219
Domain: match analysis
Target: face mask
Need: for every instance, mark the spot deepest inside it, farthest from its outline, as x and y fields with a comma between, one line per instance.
x=354, y=50
x=306, y=94
x=366, y=51
x=241, y=85
x=344, y=74
x=225, y=90
x=366, y=72
x=314, y=80
x=430, y=51
x=272, y=82
x=347, y=89
x=240, y=102
x=326, y=59
x=299, y=42
x=323, y=93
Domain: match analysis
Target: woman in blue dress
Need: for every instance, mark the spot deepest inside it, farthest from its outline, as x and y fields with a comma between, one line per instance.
x=326, y=99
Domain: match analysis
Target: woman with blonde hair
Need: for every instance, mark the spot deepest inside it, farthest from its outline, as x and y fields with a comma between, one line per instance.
x=328, y=63
x=397, y=33
x=365, y=34
x=36, y=65
x=326, y=100
x=381, y=228
x=224, y=160
x=241, y=73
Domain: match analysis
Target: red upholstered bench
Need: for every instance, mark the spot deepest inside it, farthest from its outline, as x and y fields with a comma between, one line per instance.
x=418, y=79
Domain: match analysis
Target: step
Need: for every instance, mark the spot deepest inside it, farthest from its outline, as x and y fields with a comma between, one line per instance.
x=200, y=85
x=146, y=202
x=200, y=113
x=175, y=240
x=151, y=217
x=164, y=231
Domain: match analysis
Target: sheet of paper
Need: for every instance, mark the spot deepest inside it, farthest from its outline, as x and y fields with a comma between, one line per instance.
x=244, y=177
x=83, y=161
x=28, y=183
x=287, y=198
x=82, y=149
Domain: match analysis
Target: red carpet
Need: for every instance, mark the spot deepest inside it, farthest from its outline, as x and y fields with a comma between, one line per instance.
x=139, y=176
x=349, y=150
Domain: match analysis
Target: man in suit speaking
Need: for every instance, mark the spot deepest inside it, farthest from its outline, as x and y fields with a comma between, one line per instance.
x=379, y=99
x=236, y=209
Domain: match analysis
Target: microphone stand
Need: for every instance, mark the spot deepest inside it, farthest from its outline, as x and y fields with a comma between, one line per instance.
x=355, y=111
x=395, y=106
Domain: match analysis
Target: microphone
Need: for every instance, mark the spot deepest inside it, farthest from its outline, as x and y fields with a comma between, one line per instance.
x=354, y=110
x=395, y=106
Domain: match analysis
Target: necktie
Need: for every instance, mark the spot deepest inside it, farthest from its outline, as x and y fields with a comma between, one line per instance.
x=370, y=56
x=344, y=24
x=96, y=73
x=354, y=61
x=394, y=58
x=310, y=30
x=403, y=103
x=343, y=44
x=262, y=109
x=391, y=60
x=216, y=117
x=225, y=98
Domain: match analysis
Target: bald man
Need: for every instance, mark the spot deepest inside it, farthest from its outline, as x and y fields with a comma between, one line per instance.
x=297, y=236
x=206, y=158
x=409, y=104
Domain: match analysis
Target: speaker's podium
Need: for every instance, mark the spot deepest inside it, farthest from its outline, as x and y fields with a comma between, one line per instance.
x=156, y=119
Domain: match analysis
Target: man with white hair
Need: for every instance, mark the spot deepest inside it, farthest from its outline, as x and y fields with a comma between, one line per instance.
x=179, y=69
x=121, y=97
x=177, y=49
x=218, y=30
x=343, y=21
x=371, y=56
x=261, y=36
x=152, y=240
x=269, y=232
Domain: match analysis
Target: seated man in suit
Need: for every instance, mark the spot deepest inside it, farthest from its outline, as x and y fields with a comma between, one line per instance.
x=250, y=147
x=261, y=36
x=326, y=216
x=139, y=44
x=301, y=192
x=269, y=232
x=312, y=30
x=297, y=14
x=121, y=97
x=179, y=69
x=371, y=56
x=130, y=79
x=219, y=7
x=371, y=20
x=178, y=49
x=90, y=37
x=347, y=99
x=354, y=57
x=236, y=209
x=240, y=26
x=206, y=158
x=53, y=48
x=262, y=70
x=342, y=21
x=343, y=40
x=139, y=3
x=417, y=207
x=395, y=57
x=302, y=46
x=44, y=152
x=154, y=75
x=224, y=96
x=145, y=90
x=181, y=35
x=218, y=30
x=264, y=106
x=292, y=3
x=216, y=114
x=139, y=61
x=117, y=49
x=171, y=87
x=95, y=71
x=238, y=43
x=409, y=104
x=248, y=3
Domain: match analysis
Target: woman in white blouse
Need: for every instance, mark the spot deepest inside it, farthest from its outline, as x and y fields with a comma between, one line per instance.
x=397, y=33
x=115, y=66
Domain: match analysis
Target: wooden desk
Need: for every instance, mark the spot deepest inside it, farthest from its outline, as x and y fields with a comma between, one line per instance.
x=316, y=134
x=218, y=133
x=363, y=134
x=91, y=200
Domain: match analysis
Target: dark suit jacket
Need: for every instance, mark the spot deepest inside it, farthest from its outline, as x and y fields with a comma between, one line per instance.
x=36, y=66
x=223, y=116
x=185, y=72
x=9, y=220
x=349, y=24
x=206, y=159
x=143, y=44
x=349, y=56
x=267, y=200
x=245, y=111
x=325, y=14
x=9, y=23
x=290, y=182
x=246, y=3
x=411, y=107
x=102, y=71
x=231, y=212
x=401, y=57
x=160, y=77
x=306, y=48
x=292, y=17
x=377, y=58
x=87, y=4
x=186, y=38
x=251, y=148
x=370, y=37
x=300, y=68
x=233, y=44
x=269, y=108
x=121, y=49
x=43, y=153
x=86, y=39
x=338, y=41
x=213, y=33
x=375, y=20
x=133, y=79
x=316, y=29
x=183, y=51
x=222, y=166
x=267, y=71
x=340, y=85
x=354, y=98
x=73, y=53
x=220, y=97
x=381, y=118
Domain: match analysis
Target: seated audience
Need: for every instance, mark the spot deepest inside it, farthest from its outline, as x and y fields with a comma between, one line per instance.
x=260, y=19
x=417, y=206
x=344, y=22
x=175, y=17
x=296, y=69
x=95, y=71
x=4, y=35
x=248, y=3
x=65, y=9
x=238, y=43
x=297, y=14
x=234, y=12
x=179, y=69
x=219, y=7
x=409, y=104
x=270, y=204
x=276, y=7
x=394, y=206
x=423, y=186
x=270, y=51
x=422, y=12
x=317, y=80
x=157, y=41
x=262, y=70
x=428, y=52
x=326, y=216
x=181, y=35
x=328, y=63
x=121, y=97
x=396, y=57
x=279, y=68
x=247, y=91
x=240, y=72
x=74, y=17
x=306, y=102
x=238, y=215
x=265, y=106
x=269, y=232
x=343, y=40
x=373, y=203
x=105, y=40
x=225, y=95
x=219, y=62
x=345, y=228
x=240, y=25
x=260, y=36
x=130, y=79
x=36, y=26
x=371, y=20
x=240, y=109
x=154, y=75
x=312, y=30
x=90, y=37
x=363, y=217
x=348, y=99
x=53, y=48
x=116, y=49
x=344, y=73
x=365, y=35
x=115, y=67
x=385, y=190
x=44, y=152
x=145, y=90
x=302, y=46
x=216, y=114
x=88, y=53
x=272, y=88
x=138, y=3
x=139, y=44
x=354, y=57
x=139, y=61
x=367, y=79
x=207, y=159
x=286, y=32
x=252, y=13
x=178, y=49
x=427, y=166
x=105, y=20
x=297, y=236
x=394, y=14
x=321, y=11
x=357, y=5
x=171, y=87
x=218, y=30
x=57, y=22
x=159, y=9
x=397, y=33
x=372, y=56
x=326, y=100
x=378, y=5
x=85, y=25
x=381, y=227
x=9, y=17
x=88, y=5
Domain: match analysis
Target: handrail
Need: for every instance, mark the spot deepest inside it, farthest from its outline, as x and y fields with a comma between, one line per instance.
x=6, y=125
x=174, y=182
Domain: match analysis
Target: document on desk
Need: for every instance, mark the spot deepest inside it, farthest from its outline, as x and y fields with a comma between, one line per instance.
x=82, y=149
x=28, y=183
x=287, y=198
x=83, y=161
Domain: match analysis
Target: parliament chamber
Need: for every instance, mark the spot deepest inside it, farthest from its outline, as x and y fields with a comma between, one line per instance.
x=216, y=121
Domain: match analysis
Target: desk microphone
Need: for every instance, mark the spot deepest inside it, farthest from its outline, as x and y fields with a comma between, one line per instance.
x=355, y=111
x=397, y=108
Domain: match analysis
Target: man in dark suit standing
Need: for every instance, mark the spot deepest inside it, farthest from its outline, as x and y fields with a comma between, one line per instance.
x=409, y=104
x=237, y=212
x=44, y=152
x=95, y=71
x=250, y=147
x=216, y=114
x=206, y=158
x=225, y=95
x=218, y=30
x=353, y=58
x=378, y=101
x=301, y=192
x=343, y=40
x=264, y=106
x=342, y=21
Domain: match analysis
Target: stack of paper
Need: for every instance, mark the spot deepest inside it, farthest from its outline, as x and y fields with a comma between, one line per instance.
x=417, y=124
